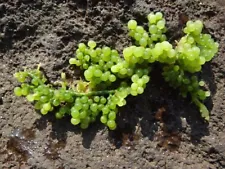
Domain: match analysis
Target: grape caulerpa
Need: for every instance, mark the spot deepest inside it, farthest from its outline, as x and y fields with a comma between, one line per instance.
x=110, y=78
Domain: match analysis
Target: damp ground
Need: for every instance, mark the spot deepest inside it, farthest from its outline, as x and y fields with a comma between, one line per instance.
x=156, y=130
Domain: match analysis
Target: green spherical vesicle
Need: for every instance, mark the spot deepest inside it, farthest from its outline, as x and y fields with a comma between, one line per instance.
x=92, y=44
x=109, y=76
x=75, y=121
x=111, y=123
x=103, y=119
x=132, y=24
x=17, y=91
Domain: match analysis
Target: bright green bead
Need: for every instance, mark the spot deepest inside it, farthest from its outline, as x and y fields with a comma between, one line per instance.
x=94, y=107
x=78, y=105
x=176, y=68
x=97, y=73
x=112, y=105
x=145, y=78
x=140, y=90
x=201, y=83
x=111, y=123
x=112, y=115
x=17, y=91
x=90, y=101
x=152, y=18
x=83, y=114
x=100, y=107
x=82, y=47
x=93, y=53
x=105, y=110
x=103, y=119
x=171, y=53
x=21, y=78
x=202, y=60
x=104, y=77
x=133, y=93
x=132, y=24
x=113, y=128
x=44, y=99
x=155, y=37
x=75, y=113
x=140, y=29
x=153, y=29
x=30, y=97
x=88, y=74
x=130, y=71
x=68, y=96
x=207, y=93
x=44, y=112
x=161, y=24
x=103, y=100
x=140, y=82
x=115, y=69
x=134, y=78
x=112, y=78
x=158, y=15
x=86, y=58
x=127, y=52
x=75, y=121
x=123, y=71
x=25, y=91
x=139, y=51
x=96, y=99
x=106, y=51
x=134, y=86
x=86, y=106
x=137, y=36
x=92, y=44
x=143, y=42
x=47, y=106
x=163, y=38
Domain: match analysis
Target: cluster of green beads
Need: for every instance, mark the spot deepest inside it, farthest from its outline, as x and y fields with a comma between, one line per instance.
x=83, y=107
x=179, y=62
x=109, y=78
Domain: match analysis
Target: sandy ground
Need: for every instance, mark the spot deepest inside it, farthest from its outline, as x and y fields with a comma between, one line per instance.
x=47, y=32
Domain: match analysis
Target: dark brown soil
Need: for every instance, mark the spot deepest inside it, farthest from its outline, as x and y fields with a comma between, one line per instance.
x=157, y=130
